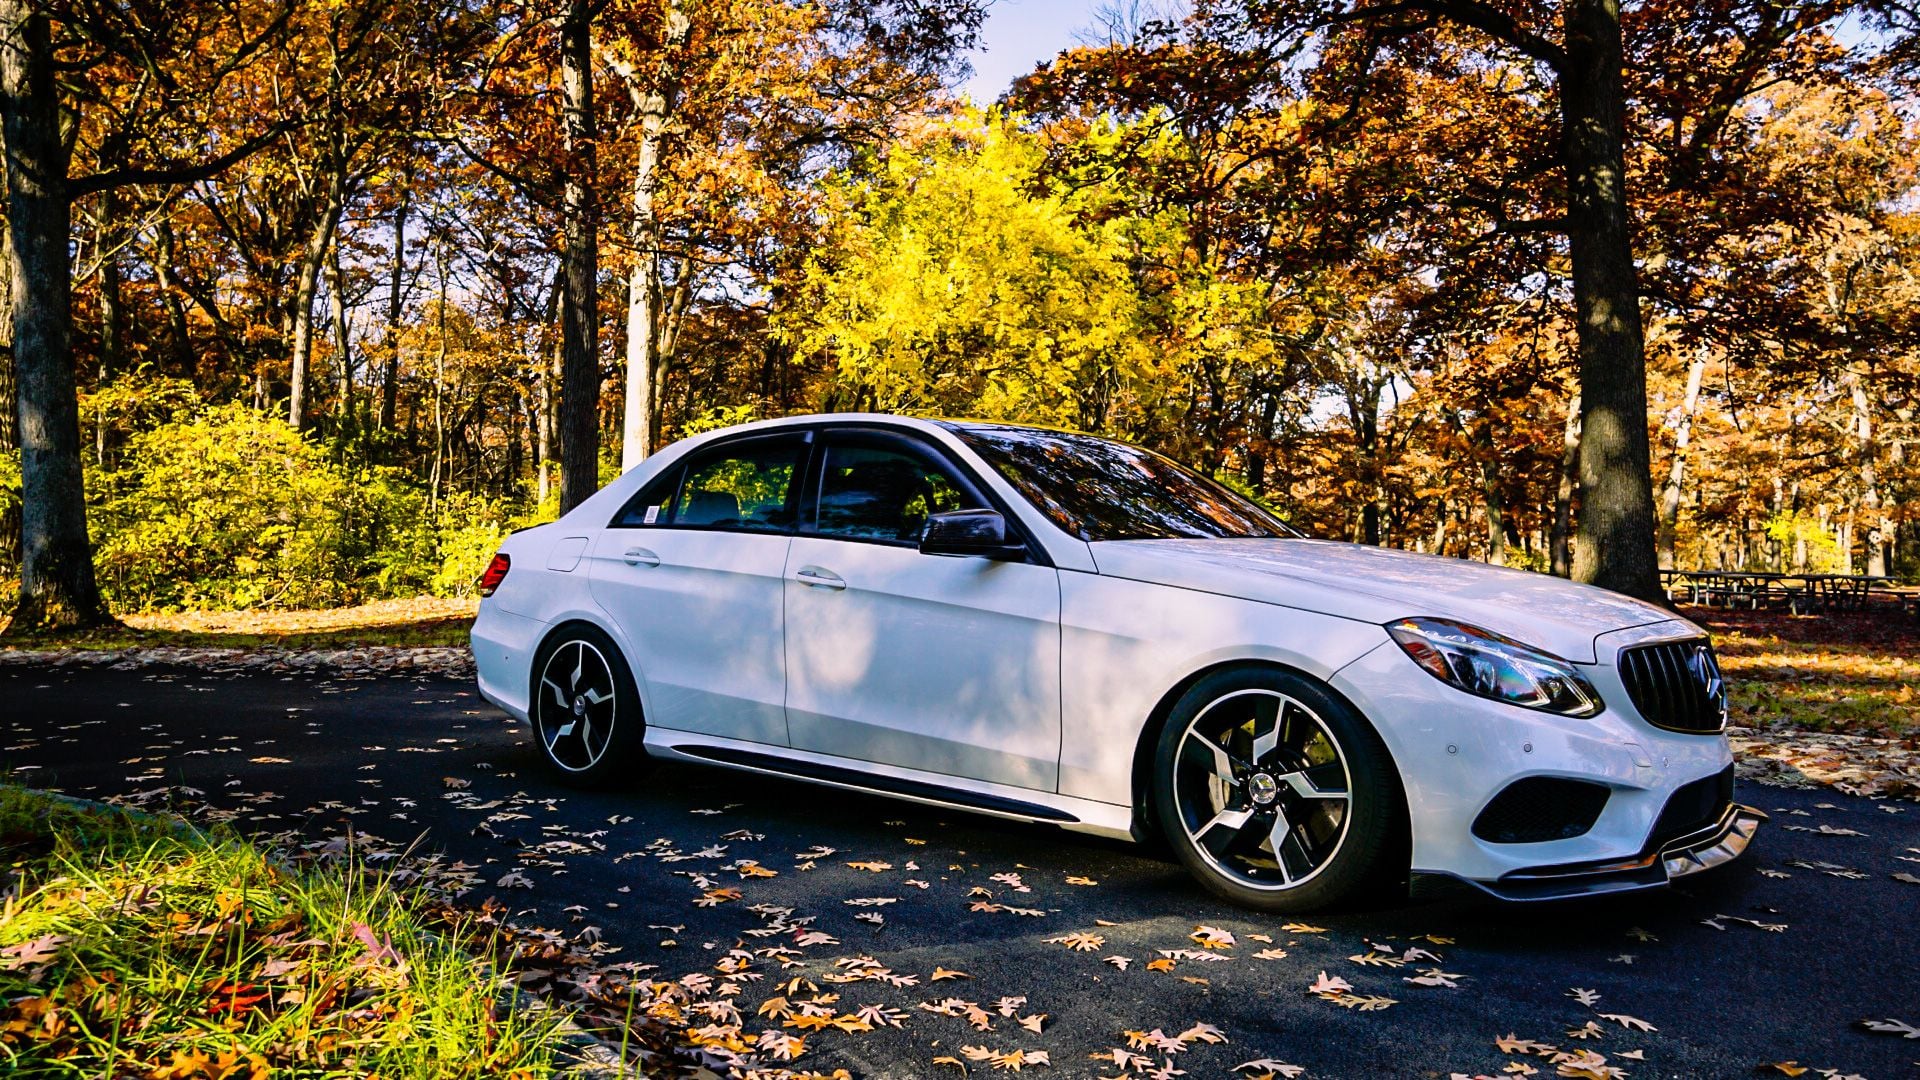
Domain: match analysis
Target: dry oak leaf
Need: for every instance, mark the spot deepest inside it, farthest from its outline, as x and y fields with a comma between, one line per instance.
x=1584, y=997
x=1267, y=1067
x=1890, y=1026
x=1079, y=942
x=1081, y=881
x=1211, y=937
x=1034, y=1023
x=1588, y=1030
x=1374, y=959
x=1514, y=1044
x=1120, y=962
x=872, y=867
x=1631, y=1023
x=1329, y=984
x=1125, y=1059
x=1162, y=964
x=1301, y=928
x=1270, y=954
x=1205, y=1033
x=947, y=973
x=1790, y=1068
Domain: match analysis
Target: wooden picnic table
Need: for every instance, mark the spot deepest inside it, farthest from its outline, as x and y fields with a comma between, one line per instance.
x=1798, y=592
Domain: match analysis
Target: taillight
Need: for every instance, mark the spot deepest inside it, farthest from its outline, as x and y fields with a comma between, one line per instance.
x=495, y=574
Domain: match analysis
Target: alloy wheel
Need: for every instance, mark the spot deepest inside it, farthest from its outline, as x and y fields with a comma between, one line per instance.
x=1262, y=789
x=577, y=704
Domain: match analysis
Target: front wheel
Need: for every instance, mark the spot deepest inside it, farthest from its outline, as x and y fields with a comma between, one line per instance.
x=1276, y=794
x=586, y=711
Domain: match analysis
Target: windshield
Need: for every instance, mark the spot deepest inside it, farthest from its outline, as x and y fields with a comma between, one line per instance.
x=1098, y=489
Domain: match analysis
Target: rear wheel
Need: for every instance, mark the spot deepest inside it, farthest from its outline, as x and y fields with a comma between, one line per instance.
x=1274, y=793
x=586, y=710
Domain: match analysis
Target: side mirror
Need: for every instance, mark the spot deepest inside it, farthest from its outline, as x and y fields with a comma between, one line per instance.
x=978, y=534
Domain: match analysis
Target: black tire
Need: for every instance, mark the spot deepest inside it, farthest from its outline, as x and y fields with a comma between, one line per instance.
x=1324, y=784
x=585, y=709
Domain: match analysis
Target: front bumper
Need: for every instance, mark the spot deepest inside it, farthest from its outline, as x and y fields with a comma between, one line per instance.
x=1456, y=753
x=1716, y=845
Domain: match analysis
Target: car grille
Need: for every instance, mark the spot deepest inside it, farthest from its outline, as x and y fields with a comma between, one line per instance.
x=1676, y=685
x=1539, y=808
x=1693, y=807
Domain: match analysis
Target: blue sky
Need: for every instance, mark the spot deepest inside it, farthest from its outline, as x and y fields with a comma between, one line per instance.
x=1020, y=34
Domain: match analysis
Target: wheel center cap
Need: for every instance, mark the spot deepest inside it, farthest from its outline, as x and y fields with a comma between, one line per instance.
x=1262, y=788
x=580, y=705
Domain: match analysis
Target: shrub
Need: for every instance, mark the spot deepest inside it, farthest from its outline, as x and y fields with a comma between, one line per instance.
x=231, y=508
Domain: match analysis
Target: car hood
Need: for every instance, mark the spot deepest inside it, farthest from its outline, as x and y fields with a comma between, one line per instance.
x=1380, y=585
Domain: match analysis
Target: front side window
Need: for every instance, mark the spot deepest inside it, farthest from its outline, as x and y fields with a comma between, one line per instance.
x=882, y=493
x=1098, y=489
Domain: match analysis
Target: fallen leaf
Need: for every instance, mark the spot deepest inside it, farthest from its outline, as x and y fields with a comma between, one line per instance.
x=1329, y=984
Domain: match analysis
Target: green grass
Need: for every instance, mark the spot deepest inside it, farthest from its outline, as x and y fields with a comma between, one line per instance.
x=423, y=621
x=133, y=946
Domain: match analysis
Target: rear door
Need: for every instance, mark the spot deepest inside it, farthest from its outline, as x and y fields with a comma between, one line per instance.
x=692, y=570
x=942, y=664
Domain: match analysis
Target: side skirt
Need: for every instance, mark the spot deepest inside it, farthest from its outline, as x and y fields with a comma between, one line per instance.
x=1077, y=815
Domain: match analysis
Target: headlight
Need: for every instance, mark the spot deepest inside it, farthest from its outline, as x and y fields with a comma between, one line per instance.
x=1484, y=663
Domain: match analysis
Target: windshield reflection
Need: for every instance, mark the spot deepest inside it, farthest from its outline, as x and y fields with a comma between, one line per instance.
x=1098, y=489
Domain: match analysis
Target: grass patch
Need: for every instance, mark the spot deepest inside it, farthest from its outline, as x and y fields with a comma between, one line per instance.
x=1854, y=673
x=420, y=621
x=134, y=946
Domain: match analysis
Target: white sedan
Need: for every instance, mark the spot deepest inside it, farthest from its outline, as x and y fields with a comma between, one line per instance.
x=1058, y=628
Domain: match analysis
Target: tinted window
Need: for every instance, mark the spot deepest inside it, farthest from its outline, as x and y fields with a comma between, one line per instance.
x=742, y=486
x=877, y=493
x=653, y=503
x=1098, y=489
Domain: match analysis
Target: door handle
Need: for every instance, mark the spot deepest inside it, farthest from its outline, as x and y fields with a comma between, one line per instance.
x=820, y=578
x=637, y=556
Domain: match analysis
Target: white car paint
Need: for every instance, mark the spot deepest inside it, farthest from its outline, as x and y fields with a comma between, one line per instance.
x=1036, y=684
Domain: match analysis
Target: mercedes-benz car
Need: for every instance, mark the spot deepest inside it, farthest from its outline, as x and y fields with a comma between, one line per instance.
x=1058, y=628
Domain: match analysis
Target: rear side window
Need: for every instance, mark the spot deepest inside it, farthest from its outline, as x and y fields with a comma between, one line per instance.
x=744, y=486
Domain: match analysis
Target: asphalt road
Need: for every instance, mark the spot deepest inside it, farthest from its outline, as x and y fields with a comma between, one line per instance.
x=323, y=754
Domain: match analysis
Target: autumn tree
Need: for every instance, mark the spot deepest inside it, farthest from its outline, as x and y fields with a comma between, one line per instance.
x=98, y=53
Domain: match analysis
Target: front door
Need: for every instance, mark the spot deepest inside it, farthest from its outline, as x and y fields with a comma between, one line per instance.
x=692, y=571
x=946, y=665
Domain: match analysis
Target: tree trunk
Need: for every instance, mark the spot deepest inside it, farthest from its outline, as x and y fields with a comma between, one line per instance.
x=113, y=317
x=1616, y=548
x=548, y=363
x=1491, y=497
x=306, y=283
x=1670, y=496
x=9, y=396
x=579, y=317
x=656, y=105
x=178, y=342
x=1865, y=451
x=1560, y=545
x=57, y=585
x=390, y=379
x=342, y=346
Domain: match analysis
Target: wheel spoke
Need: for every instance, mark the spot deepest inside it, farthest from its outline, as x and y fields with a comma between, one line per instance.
x=1267, y=712
x=1219, y=762
x=1306, y=783
x=594, y=697
x=1277, y=838
x=579, y=663
x=559, y=694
